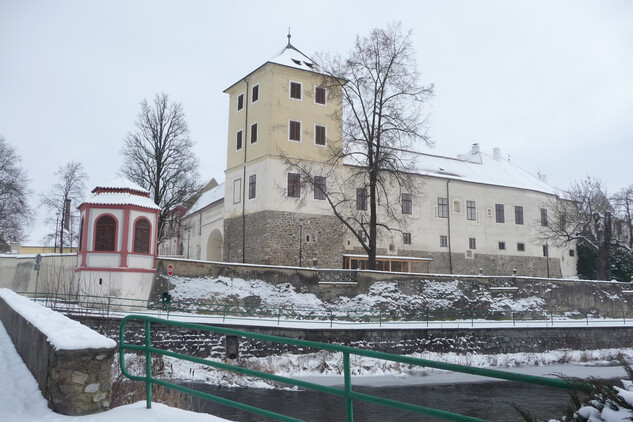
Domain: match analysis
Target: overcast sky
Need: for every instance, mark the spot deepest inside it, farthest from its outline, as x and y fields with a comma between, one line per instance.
x=549, y=82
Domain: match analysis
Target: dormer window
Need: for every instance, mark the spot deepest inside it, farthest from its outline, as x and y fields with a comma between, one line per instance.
x=295, y=90
x=297, y=62
x=310, y=65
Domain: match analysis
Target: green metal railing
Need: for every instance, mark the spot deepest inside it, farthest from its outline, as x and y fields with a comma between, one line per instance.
x=73, y=304
x=347, y=392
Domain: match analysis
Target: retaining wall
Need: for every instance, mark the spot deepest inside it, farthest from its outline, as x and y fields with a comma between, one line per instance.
x=390, y=340
x=74, y=381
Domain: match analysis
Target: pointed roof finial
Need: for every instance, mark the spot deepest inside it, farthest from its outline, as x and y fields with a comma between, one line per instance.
x=289, y=45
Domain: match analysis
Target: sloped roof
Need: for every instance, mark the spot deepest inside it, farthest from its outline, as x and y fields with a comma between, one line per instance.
x=207, y=198
x=121, y=191
x=476, y=168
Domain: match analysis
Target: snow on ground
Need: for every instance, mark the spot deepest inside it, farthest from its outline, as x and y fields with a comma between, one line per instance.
x=22, y=401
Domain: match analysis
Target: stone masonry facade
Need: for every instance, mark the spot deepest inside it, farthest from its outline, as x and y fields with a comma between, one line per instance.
x=272, y=237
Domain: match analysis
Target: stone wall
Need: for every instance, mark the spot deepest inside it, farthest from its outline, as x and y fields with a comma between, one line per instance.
x=74, y=382
x=56, y=273
x=272, y=237
x=389, y=340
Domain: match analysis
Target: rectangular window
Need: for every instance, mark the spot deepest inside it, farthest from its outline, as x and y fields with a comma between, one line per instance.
x=407, y=203
x=255, y=94
x=238, y=140
x=294, y=130
x=254, y=133
x=406, y=238
x=361, y=199
x=472, y=243
x=252, y=186
x=518, y=215
x=240, y=102
x=237, y=191
x=499, y=213
x=295, y=90
x=546, y=250
x=502, y=245
x=442, y=207
x=320, y=186
x=443, y=241
x=543, y=217
x=521, y=247
x=572, y=253
x=294, y=185
x=319, y=134
x=319, y=95
x=471, y=211
x=363, y=235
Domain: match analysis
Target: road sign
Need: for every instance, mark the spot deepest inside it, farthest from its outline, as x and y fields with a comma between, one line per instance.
x=38, y=259
x=170, y=269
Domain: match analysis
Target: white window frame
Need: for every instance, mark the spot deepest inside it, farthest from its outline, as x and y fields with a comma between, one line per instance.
x=250, y=139
x=290, y=90
x=259, y=93
x=326, y=92
x=300, y=130
x=237, y=191
x=315, y=132
x=243, y=140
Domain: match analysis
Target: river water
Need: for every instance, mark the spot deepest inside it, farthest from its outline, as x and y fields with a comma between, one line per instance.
x=489, y=401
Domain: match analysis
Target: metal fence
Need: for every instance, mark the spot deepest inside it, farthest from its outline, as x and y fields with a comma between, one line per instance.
x=351, y=397
x=89, y=305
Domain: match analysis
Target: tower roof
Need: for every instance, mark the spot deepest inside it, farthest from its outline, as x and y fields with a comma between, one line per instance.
x=289, y=56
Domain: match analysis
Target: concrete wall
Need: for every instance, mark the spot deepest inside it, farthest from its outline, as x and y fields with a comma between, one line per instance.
x=74, y=382
x=56, y=273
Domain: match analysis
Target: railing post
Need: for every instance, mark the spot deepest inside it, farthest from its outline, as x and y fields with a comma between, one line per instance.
x=513, y=319
x=331, y=318
x=623, y=317
x=224, y=313
x=279, y=316
x=108, y=311
x=349, y=406
x=148, y=367
x=427, y=318
x=380, y=318
x=472, y=318
x=587, y=317
x=551, y=315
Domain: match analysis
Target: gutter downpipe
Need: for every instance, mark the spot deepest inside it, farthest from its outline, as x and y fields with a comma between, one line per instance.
x=245, y=141
x=450, y=257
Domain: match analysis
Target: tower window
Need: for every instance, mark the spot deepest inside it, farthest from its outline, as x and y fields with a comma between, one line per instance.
x=255, y=94
x=294, y=130
x=254, y=133
x=295, y=90
x=319, y=134
x=141, y=236
x=294, y=185
x=105, y=233
x=252, y=186
x=320, y=95
x=238, y=140
x=240, y=102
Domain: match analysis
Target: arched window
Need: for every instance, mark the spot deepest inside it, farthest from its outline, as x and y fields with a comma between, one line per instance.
x=141, y=236
x=105, y=233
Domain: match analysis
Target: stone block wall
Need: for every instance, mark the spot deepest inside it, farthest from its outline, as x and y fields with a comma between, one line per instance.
x=75, y=382
x=272, y=237
x=390, y=340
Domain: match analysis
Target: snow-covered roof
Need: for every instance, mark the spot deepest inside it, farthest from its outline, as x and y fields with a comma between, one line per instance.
x=474, y=167
x=121, y=191
x=207, y=198
x=121, y=183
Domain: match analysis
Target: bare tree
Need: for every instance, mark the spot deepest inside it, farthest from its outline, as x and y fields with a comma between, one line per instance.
x=14, y=209
x=158, y=155
x=383, y=125
x=623, y=202
x=60, y=202
x=585, y=215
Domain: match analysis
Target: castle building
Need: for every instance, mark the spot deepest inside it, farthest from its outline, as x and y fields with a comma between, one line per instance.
x=475, y=211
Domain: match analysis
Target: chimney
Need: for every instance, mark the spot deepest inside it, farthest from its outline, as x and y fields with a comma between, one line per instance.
x=474, y=149
x=542, y=177
x=496, y=153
